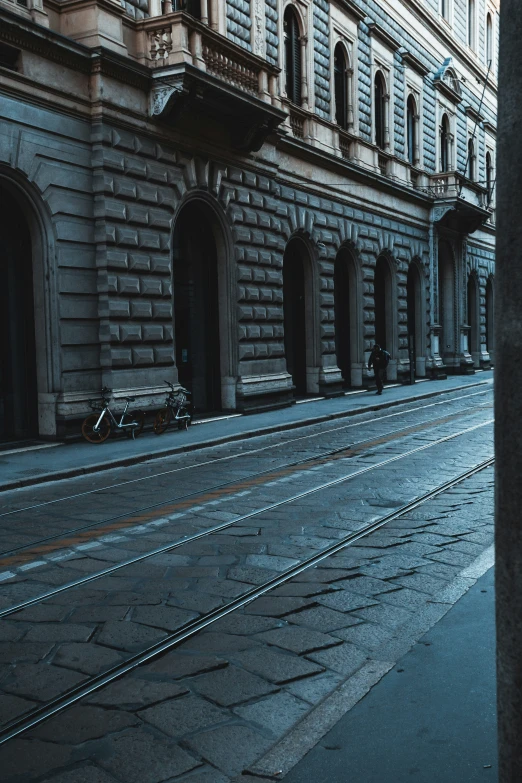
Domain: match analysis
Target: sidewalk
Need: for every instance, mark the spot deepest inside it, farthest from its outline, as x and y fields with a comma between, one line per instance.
x=54, y=461
x=432, y=718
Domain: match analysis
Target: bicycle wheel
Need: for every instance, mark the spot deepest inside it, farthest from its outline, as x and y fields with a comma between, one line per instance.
x=162, y=420
x=139, y=418
x=96, y=436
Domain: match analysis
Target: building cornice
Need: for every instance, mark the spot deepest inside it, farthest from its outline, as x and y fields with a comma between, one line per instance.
x=351, y=8
x=414, y=62
x=379, y=32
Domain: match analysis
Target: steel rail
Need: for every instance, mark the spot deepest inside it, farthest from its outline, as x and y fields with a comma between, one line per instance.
x=60, y=703
x=241, y=454
x=224, y=525
x=284, y=466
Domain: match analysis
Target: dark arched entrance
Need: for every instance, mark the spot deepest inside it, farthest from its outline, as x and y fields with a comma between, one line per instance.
x=490, y=320
x=18, y=385
x=345, y=314
x=383, y=304
x=196, y=307
x=473, y=320
x=414, y=315
x=447, y=305
x=294, y=306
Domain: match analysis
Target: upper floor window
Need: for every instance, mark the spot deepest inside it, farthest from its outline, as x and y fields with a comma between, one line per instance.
x=412, y=131
x=380, y=110
x=489, y=41
x=293, y=61
x=471, y=159
x=340, y=86
x=444, y=9
x=471, y=24
x=489, y=175
x=445, y=144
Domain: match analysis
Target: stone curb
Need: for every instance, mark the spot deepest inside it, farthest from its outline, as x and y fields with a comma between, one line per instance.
x=286, y=753
x=123, y=462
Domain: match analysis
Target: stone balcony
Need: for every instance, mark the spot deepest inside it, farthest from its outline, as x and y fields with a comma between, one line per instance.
x=194, y=66
x=459, y=203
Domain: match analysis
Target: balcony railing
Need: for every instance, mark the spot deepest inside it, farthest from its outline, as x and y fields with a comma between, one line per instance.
x=451, y=184
x=179, y=38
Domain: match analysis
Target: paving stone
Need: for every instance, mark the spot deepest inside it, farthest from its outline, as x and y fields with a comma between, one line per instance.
x=212, y=642
x=226, y=588
x=276, y=713
x=11, y=632
x=254, y=576
x=178, y=665
x=135, y=598
x=366, y=585
x=19, y=652
x=129, y=636
x=440, y=570
x=322, y=575
x=169, y=618
x=243, y=624
x=41, y=681
x=343, y=601
x=230, y=748
x=132, y=693
x=12, y=707
x=315, y=689
x=275, y=666
x=321, y=618
x=366, y=635
x=197, y=602
x=59, y=632
x=138, y=756
x=207, y=775
x=275, y=606
x=345, y=659
x=453, y=558
x=422, y=582
x=389, y=616
x=88, y=658
x=409, y=599
x=178, y=717
x=82, y=723
x=82, y=775
x=298, y=640
x=383, y=570
x=98, y=614
x=231, y=686
x=301, y=589
x=271, y=562
x=41, y=613
x=239, y=531
x=25, y=759
x=82, y=597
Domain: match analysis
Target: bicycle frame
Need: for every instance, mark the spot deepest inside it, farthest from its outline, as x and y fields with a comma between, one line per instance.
x=120, y=425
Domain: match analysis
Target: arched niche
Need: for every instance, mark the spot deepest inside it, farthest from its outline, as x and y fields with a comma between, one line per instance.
x=490, y=319
x=203, y=292
x=385, y=298
x=416, y=317
x=448, y=337
x=348, y=317
x=474, y=319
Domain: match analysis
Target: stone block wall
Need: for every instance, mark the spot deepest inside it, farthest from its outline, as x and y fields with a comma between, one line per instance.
x=271, y=17
x=239, y=23
x=322, y=59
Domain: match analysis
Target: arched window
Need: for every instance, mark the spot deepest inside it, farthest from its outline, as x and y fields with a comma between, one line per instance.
x=380, y=111
x=411, y=130
x=471, y=23
x=471, y=159
x=444, y=144
x=489, y=175
x=340, y=86
x=489, y=41
x=293, y=64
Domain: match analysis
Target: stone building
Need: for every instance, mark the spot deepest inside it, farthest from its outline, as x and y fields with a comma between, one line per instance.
x=240, y=196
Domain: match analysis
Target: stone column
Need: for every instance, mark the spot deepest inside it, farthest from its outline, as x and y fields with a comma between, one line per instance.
x=508, y=402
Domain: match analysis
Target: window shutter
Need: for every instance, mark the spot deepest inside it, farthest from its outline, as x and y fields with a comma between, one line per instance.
x=296, y=61
x=340, y=88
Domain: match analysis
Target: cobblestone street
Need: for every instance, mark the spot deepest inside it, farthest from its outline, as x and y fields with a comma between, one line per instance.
x=195, y=617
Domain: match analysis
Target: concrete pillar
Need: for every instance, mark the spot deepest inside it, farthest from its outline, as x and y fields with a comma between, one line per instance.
x=508, y=404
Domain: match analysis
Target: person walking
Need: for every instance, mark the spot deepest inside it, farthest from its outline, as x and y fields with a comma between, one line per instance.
x=379, y=360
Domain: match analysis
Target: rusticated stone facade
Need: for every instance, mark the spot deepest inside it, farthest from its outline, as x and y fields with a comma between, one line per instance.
x=102, y=151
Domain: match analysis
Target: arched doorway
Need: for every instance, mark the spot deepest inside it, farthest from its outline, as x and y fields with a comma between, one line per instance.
x=414, y=319
x=447, y=305
x=346, y=321
x=383, y=304
x=298, y=315
x=473, y=319
x=18, y=381
x=490, y=321
x=198, y=295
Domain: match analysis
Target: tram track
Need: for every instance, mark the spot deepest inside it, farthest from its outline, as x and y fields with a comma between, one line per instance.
x=52, y=707
x=5, y=612
x=239, y=455
x=128, y=519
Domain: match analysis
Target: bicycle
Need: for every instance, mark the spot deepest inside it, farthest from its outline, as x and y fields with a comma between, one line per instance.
x=176, y=408
x=97, y=426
